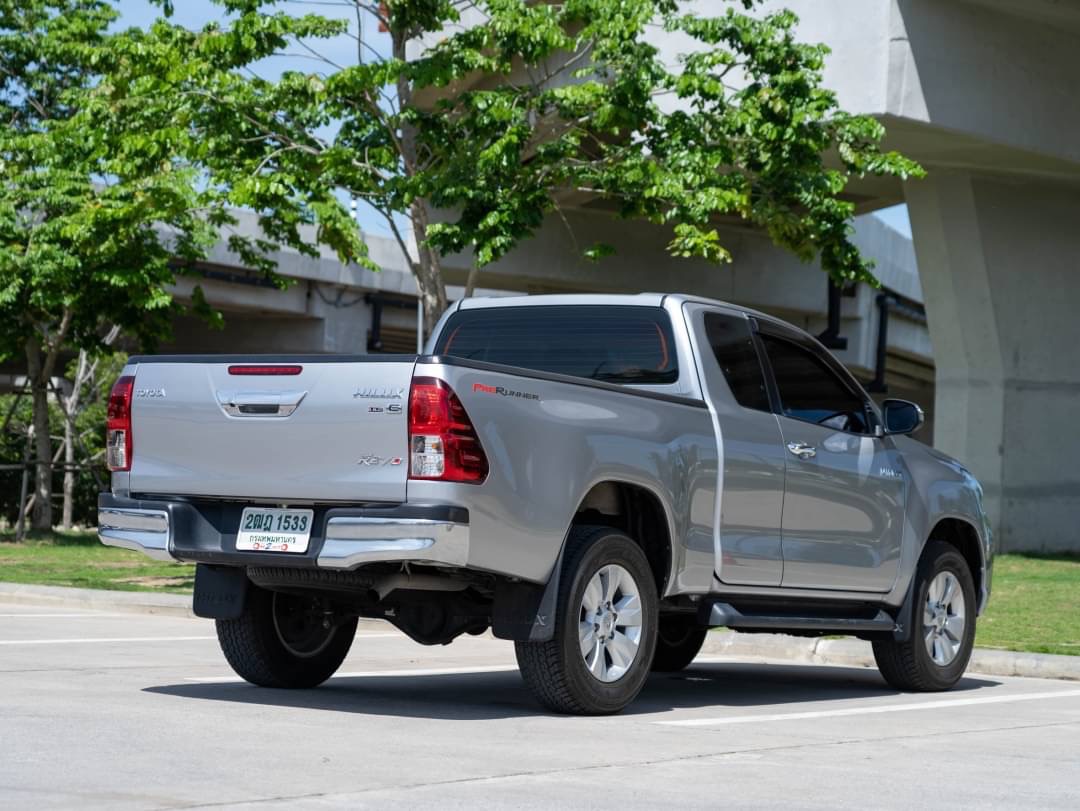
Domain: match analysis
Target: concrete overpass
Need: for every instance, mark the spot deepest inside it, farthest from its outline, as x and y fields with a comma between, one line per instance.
x=984, y=94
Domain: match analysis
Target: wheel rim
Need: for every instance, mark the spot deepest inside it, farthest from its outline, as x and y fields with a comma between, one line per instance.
x=610, y=623
x=944, y=618
x=303, y=627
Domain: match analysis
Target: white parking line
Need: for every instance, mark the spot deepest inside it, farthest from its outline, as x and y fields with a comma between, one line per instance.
x=60, y=616
x=368, y=674
x=104, y=639
x=923, y=705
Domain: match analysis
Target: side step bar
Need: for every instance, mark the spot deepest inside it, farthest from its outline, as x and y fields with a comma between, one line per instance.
x=727, y=616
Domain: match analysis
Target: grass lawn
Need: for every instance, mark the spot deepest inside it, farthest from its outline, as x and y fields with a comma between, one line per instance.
x=78, y=558
x=1034, y=606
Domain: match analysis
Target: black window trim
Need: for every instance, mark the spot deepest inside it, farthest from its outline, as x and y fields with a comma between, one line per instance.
x=789, y=334
x=766, y=370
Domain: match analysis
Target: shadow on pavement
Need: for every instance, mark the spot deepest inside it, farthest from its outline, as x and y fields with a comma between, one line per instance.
x=488, y=696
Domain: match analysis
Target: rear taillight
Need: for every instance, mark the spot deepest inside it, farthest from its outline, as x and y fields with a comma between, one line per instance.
x=118, y=444
x=443, y=444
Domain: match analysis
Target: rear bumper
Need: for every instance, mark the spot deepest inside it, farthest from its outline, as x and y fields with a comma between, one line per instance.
x=342, y=538
x=142, y=530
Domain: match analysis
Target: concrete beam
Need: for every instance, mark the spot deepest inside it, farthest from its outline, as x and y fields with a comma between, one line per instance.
x=979, y=85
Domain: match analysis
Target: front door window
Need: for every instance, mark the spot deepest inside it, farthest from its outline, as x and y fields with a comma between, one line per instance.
x=811, y=392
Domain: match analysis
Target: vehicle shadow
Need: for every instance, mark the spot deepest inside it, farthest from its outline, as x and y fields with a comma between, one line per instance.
x=490, y=696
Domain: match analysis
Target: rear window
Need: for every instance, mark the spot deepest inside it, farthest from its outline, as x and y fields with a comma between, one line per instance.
x=614, y=344
x=733, y=345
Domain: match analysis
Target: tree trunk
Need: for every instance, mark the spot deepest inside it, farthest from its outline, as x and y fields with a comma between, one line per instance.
x=427, y=269
x=42, y=517
x=69, y=475
x=20, y=523
x=470, y=282
x=71, y=411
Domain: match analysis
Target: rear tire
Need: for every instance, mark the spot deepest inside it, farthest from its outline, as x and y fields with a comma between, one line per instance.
x=936, y=654
x=678, y=641
x=605, y=628
x=282, y=640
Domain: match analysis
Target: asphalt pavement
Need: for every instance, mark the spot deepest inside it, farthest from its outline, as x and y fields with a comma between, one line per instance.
x=101, y=710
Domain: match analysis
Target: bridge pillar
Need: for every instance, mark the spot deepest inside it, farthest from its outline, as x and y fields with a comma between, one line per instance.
x=999, y=262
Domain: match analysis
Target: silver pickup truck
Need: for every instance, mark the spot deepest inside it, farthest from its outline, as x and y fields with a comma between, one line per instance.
x=600, y=479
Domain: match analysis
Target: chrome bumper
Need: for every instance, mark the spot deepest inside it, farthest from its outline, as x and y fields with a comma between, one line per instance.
x=145, y=531
x=350, y=540
x=353, y=541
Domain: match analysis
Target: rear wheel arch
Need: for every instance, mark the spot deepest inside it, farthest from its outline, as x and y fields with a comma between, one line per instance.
x=638, y=512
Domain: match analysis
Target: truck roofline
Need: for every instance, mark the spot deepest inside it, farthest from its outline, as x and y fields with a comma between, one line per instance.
x=555, y=299
x=611, y=299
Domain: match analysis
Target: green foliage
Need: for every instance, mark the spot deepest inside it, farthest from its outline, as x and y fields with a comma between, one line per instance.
x=493, y=121
x=92, y=213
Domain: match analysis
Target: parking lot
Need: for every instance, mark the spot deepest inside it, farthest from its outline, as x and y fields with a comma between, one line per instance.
x=119, y=710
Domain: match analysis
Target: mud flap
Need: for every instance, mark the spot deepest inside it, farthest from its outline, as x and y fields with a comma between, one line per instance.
x=525, y=612
x=905, y=615
x=220, y=591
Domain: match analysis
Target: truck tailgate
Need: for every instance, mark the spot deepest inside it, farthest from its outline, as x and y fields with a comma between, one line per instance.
x=318, y=429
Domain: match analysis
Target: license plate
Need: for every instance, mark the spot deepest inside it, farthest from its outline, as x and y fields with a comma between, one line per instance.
x=271, y=529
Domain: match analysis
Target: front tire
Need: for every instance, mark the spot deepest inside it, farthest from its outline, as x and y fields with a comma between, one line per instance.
x=285, y=640
x=605, y=628
x=936, y=654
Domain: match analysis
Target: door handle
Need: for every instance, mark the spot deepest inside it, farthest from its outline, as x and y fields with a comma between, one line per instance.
x=802, y=450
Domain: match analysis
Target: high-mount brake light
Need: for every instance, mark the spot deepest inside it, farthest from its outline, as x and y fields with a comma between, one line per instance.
x=119, y=446
x=265, y=370
x=443, y=444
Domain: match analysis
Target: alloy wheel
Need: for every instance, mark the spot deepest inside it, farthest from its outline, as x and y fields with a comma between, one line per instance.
x=944, y=618
x=610, y=623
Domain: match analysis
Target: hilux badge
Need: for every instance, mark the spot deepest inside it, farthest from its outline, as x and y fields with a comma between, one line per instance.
x=384, y=393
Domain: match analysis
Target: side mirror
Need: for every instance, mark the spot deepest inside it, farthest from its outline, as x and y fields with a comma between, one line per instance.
x=902, y=417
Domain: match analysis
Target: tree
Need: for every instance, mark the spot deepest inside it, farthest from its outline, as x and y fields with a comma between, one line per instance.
x=471, y=119
x=91, y=217
x=90, y=383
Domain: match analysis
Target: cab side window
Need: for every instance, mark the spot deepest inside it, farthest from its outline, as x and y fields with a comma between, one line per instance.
x=733, y=345
x=811, y=391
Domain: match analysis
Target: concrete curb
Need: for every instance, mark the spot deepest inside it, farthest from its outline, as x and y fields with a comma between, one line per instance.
x=857, y=653
x=127, y=602
x=849, y=652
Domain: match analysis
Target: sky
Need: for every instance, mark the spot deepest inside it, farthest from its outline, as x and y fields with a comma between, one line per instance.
x=196, y=13
x=342, y=50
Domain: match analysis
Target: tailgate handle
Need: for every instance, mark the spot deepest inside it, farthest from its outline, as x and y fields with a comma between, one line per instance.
x=260, y=403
